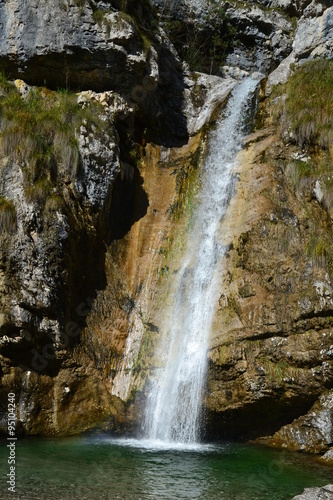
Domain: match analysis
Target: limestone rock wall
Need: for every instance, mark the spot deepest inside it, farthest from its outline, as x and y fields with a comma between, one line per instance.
x=270, y=356
x=57, y=223
x=52, y=262
x=75, y=50
x=81, y=272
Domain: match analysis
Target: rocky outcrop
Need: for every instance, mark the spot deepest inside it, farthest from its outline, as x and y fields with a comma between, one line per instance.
x=265, y=38
x=56, y=224
x=271, y=351
x=327, y=457
x=55, y=255
x=96, y=46
x=324, y=493
x=271, y=36
x=313, y=39
x=312, y=432
x=123, y=329
x=264, y=35
x=270, y=356
x=88, y=249
x=57, y=234
x=86, y=48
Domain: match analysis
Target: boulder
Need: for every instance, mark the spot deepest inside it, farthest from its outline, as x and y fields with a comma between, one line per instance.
x=313, y=432
x=324, y=493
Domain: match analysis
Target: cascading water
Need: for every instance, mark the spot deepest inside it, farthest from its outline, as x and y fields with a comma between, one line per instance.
x=174, y=405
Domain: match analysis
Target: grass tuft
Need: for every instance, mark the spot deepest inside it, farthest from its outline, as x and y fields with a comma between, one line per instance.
x=319, y=250
x=39, y=131
x=309, y=103
x=8, y=219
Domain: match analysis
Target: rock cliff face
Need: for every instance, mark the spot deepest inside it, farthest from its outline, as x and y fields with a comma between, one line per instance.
x=271, y=351
x=87, y=47
x=63, y=187
x=93, y=221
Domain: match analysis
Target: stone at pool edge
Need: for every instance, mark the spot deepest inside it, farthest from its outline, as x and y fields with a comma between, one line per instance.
x=323, y=493
x=328, y=457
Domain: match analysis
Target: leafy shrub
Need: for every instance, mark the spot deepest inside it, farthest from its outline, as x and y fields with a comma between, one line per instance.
x=202, y=45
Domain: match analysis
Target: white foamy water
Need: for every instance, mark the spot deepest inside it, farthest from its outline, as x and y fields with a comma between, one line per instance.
x=174, y=405
x=157, y=445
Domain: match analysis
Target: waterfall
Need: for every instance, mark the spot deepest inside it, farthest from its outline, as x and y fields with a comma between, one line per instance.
x=174, y=404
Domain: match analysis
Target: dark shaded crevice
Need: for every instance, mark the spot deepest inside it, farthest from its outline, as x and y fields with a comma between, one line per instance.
x=129, y=204
x=75, y=68
x=254, y=420
x=254, y=336
x=328, y=313
x=85, y=267
x=160, y=112
x=40, y=357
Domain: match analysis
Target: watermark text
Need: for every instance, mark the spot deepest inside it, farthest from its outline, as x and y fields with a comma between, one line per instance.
x=11, y=443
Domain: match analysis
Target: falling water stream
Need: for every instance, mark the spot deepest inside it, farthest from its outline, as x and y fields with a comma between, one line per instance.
x=171, y=463
x=174, y=406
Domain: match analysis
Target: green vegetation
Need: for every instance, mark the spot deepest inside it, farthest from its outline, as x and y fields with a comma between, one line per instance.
x=139, y=362
x=277, y=370
x=140, y=28
x=38, y=130
x=305, y=106
x=299, y=170
x=318, y=248
x=309, y=102
x=203, y=45
x=187, y=186
x=233, y=303
x=8, y=221
x=188, y=183
x=99, y=16
x=302, y=174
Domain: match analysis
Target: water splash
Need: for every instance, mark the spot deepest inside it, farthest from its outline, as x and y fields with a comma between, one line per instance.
x=174, y=405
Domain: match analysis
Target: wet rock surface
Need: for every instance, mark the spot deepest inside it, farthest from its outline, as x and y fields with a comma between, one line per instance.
x=270, y=357
x=324, y=493
x=76, y=278
x=310, y=433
